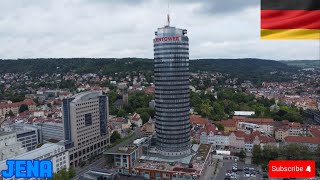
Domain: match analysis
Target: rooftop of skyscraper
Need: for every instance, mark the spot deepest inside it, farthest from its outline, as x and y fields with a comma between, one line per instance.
x=192, y=165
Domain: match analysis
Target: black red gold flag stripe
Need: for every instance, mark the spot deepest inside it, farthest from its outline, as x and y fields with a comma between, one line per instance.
x=290, y=19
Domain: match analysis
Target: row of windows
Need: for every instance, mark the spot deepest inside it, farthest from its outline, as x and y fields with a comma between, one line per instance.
x=86, y=103
x=173, y=146
x=170, y=64
x=169, y=129
x=87, y=150
x=172, y=119
x=181, y=46
x=168, y=57
x=172, y=53
x=173, y=110
x=172, y=96
x=174, y=69
x=172, y=114
x=170, y=133
x=168, y=88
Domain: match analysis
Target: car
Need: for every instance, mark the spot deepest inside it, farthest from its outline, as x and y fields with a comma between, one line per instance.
x=251, y=169
x=228, y=173
x=246, y=174
x=253, y=175
x=246, y=169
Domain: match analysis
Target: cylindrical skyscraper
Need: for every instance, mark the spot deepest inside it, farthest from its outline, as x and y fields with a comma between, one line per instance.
x=171, y=71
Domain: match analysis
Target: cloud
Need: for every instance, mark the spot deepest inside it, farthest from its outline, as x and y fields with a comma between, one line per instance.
x=220, y=7
x=125, y=28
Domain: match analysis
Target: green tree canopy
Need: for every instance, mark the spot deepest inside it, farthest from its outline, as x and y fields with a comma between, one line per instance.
x=115, y=136
x=23, y=108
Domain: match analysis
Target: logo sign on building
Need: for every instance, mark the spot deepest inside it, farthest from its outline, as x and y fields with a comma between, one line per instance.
x=177, y=38
x=28, y=169
x=292, y=168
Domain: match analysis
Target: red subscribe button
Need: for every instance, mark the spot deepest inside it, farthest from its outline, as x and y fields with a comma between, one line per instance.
x=292, y=169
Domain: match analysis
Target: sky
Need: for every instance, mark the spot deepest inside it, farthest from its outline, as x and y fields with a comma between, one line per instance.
x=125, y=28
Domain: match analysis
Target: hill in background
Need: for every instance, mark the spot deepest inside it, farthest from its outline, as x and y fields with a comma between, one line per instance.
x=256, y=70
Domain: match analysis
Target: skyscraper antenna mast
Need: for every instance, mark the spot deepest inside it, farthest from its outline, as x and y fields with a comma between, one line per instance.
x=168, y=14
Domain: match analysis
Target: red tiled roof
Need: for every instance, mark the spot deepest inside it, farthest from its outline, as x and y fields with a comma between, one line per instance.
x=116, y=120
x=208, y=129
x=282, y=128
x=196, y=119
x=135, y=117
x=18, y=104
x=267, y=139
x=227, y=123
x=302, y=139
x=315, y=132
x=253, y=120
x=149, y=90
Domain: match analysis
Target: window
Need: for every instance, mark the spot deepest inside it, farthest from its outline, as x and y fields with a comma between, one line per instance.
x=88, y=119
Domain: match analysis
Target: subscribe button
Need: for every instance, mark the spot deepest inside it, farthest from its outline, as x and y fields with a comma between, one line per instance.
x=292, y=169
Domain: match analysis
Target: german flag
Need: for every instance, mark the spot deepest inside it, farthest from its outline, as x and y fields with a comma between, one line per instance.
x=290, y=19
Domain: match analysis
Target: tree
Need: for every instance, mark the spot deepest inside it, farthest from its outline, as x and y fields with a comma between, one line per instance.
x=220, y=127
x=144, y=116
x=194, y=141
x=72, y=172
x=64, y=175
x=11, y=113
x=242, y=154
x=256, y=154
x=133, y=126
x=49, y=105
x=121, y=113
x=115, y=136
x=23, y=108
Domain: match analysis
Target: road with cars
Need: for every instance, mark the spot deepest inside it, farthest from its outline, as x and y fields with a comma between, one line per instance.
x=239, y=170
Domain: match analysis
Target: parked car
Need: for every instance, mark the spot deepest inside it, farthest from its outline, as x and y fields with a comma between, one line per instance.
x=253, y=175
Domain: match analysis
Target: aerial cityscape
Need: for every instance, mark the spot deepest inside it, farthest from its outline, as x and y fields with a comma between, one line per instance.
x=179, y=114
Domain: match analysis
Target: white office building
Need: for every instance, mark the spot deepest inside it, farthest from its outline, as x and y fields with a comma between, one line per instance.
x=49, y=151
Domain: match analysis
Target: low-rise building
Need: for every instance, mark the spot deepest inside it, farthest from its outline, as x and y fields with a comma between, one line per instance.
x=265, y=124
x=192, y=167
x=229, y=125
x=125, y=157
x=311, y=142
x=5, y=108
x=54, y=152
x=27, y=134
x=136, y=119
x=9, y=146
x=221, y=140
x=148, y=127
x=281, y=133
x=50, y=130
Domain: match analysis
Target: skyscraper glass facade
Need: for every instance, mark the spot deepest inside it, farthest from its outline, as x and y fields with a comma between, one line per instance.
x=171, y=71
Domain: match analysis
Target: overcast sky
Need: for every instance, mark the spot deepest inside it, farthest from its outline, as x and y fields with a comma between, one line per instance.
x=125, y=28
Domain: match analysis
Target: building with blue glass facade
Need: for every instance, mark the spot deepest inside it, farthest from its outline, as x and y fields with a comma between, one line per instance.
x=171, y=72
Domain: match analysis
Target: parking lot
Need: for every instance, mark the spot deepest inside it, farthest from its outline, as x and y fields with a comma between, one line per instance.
x=227, y=165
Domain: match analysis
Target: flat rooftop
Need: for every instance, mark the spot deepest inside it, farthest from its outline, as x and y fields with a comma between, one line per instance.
x=122, y=150
x=3, y=133
x=192, y=164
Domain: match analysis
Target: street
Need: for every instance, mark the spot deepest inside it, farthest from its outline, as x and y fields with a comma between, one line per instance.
x=100, y=162
x=227, y=165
